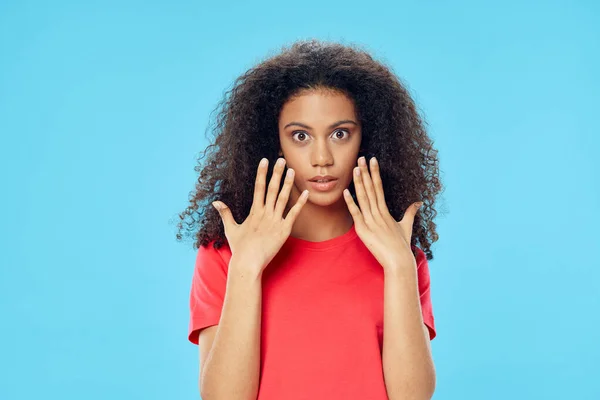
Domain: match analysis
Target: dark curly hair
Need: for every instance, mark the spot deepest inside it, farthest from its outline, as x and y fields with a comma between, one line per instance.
x=246, y=130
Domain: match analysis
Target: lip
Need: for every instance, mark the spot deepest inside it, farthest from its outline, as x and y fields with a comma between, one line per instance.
x=324, y=187
x=322, y=177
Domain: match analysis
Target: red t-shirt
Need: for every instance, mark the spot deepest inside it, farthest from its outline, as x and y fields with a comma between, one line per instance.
x=322, y=316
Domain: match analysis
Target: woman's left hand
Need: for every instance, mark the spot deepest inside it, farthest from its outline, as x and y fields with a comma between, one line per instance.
x=387, y=239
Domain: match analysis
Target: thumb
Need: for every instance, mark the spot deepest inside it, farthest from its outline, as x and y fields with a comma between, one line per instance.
x=224, y=212
x=409, y=215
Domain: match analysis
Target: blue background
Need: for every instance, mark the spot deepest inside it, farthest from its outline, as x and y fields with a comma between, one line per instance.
x=103, y=109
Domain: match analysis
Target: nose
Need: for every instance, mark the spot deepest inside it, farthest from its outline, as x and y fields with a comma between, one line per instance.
x=321, y=155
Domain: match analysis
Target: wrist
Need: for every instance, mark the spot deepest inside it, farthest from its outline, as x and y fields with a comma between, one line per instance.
x=401, y=271
x=242, y=269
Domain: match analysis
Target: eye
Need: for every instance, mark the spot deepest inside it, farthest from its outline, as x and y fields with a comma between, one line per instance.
x=301, y=134
x=337, y=131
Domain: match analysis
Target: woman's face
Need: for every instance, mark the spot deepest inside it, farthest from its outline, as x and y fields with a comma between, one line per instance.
x=320, y=135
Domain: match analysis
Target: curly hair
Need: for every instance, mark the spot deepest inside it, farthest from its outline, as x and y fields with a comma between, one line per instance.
x=246, y=130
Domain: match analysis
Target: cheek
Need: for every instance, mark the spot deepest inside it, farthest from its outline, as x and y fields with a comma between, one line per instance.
x=349, y=165
x=296, y=166
x=294, y=159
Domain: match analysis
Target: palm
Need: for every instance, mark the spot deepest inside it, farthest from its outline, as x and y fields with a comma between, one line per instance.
x=387, y=239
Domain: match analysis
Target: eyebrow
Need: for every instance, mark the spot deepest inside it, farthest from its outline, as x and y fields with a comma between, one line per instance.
x=344, y=121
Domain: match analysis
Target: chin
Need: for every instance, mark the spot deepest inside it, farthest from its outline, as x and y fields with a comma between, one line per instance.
x=324, y=199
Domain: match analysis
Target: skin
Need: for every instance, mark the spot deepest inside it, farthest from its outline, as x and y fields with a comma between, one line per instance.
x=318, y=149
x=407, y=363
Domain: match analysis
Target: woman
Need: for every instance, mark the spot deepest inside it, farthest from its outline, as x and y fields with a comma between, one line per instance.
x=319, y=291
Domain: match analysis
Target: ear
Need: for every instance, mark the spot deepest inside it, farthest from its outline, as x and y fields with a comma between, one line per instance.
x=280, y=153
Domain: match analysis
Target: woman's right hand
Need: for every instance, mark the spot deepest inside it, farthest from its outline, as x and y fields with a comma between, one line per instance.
x=258, y=239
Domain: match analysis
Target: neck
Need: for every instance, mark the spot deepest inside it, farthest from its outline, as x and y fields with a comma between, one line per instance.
x=317, y=223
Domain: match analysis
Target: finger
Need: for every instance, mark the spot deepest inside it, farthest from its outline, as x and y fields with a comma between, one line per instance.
x=291, y=216
x=369, y=189
x=353, y=208
x=409, y=215
x=274, y=184
x=259, y=185
x=378, y=185
x=284, y=196
x=225, y=213
x=361, y=195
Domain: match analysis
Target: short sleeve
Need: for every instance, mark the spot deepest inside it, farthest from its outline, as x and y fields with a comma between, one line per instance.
x=424, y=292
x=207, y=292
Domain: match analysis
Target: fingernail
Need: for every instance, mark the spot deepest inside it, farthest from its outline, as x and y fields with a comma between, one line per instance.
x=419, y=204
x=263, y=162
x=216, y=205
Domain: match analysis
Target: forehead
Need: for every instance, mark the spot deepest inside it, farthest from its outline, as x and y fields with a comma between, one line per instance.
x=317, y=105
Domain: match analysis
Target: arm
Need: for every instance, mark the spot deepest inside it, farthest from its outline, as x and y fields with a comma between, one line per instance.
x=231, y=367
x=408, y=367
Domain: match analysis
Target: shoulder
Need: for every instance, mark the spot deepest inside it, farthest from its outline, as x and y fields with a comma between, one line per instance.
x=209, y=255
x=422, y=268
x=420, y=256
